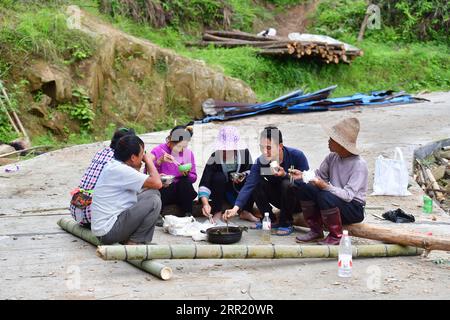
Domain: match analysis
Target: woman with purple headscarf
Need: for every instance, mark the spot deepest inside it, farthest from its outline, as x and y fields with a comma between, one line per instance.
x=224, y=175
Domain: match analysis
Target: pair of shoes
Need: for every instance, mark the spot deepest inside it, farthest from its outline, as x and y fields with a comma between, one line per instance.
x=284, y=231
x=332, y=219
x=398, y=216
x=313, y=219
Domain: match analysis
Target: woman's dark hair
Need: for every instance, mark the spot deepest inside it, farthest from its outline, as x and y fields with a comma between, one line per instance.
x=121, y=132
x=273, y=134
x=181, y=133
x=127, y=146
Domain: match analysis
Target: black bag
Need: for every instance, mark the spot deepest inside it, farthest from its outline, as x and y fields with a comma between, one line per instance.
x=398, y=216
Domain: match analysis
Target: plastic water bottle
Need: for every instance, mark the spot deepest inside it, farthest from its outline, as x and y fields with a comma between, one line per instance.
x=427, y=204
x=345, y=263
x=266, y=228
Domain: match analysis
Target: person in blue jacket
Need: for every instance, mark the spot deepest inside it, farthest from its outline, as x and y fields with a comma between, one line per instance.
x=269, y=182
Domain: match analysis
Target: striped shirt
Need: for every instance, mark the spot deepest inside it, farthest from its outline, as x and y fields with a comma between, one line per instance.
x=88, y=182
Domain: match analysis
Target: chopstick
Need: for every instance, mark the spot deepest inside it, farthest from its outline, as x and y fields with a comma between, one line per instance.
x=291, y=178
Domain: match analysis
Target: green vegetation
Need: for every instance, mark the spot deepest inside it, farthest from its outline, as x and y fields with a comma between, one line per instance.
x=80, y=109
x=401, y=20
x=42, y=32
x=412, y=67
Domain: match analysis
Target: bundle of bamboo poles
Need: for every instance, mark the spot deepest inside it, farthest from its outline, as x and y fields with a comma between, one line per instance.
x=279, y=46
x=427, y=181
x=157, y=269
x=143, y=252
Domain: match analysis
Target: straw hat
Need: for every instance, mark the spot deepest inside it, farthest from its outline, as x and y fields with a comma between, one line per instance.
x=228, y=139
x=345, y=132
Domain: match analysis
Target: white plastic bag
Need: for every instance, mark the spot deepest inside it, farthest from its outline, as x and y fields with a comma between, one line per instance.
x=391, y=176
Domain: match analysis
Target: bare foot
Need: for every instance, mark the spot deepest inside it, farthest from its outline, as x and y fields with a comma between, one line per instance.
x=246, y=215
x=217, y=216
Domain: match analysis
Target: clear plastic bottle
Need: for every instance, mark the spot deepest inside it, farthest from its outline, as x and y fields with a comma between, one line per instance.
x=266, y=228
x=345, y=262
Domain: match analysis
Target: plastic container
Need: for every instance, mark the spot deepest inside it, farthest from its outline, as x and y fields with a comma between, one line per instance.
x=345, y=262
x=185, y=167
x=266, y=229
x=427, y=204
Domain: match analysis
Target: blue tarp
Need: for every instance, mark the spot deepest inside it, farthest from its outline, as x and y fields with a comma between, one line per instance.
x=296, y=101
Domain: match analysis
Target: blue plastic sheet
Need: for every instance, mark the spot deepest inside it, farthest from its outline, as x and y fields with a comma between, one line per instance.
x=296, y=101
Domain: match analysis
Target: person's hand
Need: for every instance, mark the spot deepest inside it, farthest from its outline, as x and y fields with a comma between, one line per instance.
x=296, y=174
x=185, y=173
x=146, y=159
x=280, y=172
x=206, y=211
x=228, y=214
x=319, y=183
x=166, y=158
x=239, y=179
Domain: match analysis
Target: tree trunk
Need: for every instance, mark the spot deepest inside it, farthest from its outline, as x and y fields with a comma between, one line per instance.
x=395, y=235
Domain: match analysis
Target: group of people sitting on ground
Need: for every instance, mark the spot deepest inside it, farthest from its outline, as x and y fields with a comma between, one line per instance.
x=122, y=204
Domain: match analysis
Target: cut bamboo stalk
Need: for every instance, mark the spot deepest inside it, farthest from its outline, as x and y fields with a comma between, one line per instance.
x=23, y=150
x=398, y=236
x=16, y=118
x=11, y=121
x=439, y=195
x=157, y=269
x=144, y=252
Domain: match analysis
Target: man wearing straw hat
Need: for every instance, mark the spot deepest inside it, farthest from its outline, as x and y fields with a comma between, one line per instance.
x=337, y=195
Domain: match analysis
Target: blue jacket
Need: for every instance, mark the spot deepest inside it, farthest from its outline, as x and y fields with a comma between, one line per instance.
x=291, y=157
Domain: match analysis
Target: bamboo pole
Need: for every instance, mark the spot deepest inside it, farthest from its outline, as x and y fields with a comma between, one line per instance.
x=439, y=195
x=144, y=252
x=11, y=121
x=398, y=236
x=16, y=118
x=157, y=269
x=23, y=150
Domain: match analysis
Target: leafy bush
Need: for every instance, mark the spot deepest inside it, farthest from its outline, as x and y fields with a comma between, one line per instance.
x=401, y=20
x=80, y=109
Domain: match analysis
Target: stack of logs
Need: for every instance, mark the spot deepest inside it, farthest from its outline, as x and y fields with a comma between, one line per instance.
x=429, y=181
x=279, y=46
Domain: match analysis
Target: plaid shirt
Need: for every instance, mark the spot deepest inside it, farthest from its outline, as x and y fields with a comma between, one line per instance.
x=88, y=182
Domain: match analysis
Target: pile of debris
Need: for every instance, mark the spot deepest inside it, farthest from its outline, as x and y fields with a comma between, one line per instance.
x=295, y=45
x=297, y=101
x=432, y=173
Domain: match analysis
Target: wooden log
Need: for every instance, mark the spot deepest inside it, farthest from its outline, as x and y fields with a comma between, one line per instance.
x=157, y=269
x=398, y=236
x=210, y=37
x=273, y=52
x=439, y=195
x=194, y=251
x=242, y=35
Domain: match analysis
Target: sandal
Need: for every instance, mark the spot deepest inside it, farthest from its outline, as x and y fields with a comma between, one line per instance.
x=284, y=231
x=257, y=226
